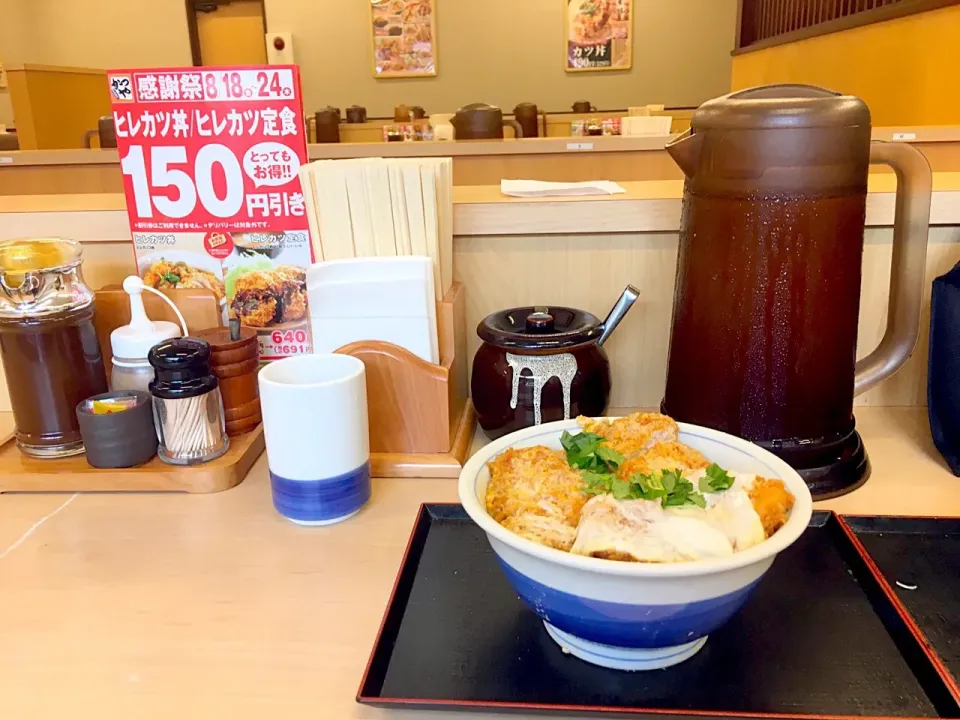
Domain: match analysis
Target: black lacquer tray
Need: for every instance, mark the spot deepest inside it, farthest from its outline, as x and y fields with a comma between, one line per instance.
x=819, y=638
x=917, y=563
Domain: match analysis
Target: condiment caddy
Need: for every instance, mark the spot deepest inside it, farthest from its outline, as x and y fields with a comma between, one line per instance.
x=52, y=339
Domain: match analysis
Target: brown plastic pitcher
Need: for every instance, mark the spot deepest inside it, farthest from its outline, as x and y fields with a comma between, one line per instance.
x=482, y=121
x=764, y=337
x=528, y=116
x=106, y=133
x=325, y=125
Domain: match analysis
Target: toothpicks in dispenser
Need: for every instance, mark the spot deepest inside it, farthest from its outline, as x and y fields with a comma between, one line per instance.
x=187, y=406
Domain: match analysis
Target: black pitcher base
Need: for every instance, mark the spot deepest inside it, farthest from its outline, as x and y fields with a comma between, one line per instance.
x=848, y=472
x=830, y=469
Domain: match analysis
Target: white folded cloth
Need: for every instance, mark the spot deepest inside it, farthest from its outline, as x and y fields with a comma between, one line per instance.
x=539, y=188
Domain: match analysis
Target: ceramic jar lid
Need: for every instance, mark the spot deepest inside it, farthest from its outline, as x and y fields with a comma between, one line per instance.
x=539, y=328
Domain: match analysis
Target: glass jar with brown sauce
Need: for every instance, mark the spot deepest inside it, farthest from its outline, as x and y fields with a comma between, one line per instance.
x=51, y=356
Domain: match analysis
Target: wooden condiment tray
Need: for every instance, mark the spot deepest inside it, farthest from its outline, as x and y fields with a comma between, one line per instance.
x=21, y=473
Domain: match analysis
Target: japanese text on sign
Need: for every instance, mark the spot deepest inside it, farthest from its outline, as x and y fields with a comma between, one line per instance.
x=210, y=159
x=206, y=85
x=212, y=149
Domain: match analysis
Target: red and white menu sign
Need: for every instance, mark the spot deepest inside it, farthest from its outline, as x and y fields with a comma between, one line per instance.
x=210, y=158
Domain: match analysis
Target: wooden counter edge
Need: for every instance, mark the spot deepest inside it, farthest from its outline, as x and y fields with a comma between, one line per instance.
x=466, y=148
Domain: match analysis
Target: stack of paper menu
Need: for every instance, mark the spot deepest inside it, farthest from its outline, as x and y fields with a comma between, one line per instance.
x=382, y=207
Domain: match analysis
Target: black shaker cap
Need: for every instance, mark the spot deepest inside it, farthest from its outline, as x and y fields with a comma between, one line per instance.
x=182, y=368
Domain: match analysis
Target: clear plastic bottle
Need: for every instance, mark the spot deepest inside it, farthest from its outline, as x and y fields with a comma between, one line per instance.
x=130, y=369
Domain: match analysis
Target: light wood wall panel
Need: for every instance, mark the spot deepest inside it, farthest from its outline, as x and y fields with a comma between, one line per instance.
x=590, y=271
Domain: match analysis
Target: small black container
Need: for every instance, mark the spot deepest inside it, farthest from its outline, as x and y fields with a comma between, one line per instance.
x=122, y=439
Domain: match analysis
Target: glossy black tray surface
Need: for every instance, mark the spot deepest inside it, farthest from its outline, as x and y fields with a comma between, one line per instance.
x=817, y=639
x=918, y=563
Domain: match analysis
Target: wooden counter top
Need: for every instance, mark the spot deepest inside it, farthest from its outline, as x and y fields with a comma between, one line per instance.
x=508, y=146
x=153, y=606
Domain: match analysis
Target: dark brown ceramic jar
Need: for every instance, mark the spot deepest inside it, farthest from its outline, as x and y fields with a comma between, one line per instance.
x=540, y=364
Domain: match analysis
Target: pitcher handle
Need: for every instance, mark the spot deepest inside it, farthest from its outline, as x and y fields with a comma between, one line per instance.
x=911, y=225
x=517, y=130
x=87, y=137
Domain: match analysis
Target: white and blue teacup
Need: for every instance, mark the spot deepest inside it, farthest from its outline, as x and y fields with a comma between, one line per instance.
x=318, y=446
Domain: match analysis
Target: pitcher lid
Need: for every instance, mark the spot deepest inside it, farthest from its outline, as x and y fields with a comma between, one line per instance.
x=539, y=328
x=39, y=277
x=21, y=255
x=784, y=106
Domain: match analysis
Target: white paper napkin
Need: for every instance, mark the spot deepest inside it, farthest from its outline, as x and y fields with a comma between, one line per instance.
x=539, y=188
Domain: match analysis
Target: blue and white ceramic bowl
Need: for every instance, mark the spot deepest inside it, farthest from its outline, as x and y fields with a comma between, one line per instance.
x=633, y=616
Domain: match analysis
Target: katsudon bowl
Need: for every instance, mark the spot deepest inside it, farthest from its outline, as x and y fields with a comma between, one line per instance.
x=629, y=615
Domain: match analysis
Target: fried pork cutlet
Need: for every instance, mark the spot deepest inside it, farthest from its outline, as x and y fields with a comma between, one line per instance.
x=633, y=434
x=255, y=308
x=292, y=289
x=772, y=502
x=671, y=455
x=265, y=297
x=536, y=494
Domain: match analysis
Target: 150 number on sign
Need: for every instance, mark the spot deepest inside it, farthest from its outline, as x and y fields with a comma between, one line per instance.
x=190, y=187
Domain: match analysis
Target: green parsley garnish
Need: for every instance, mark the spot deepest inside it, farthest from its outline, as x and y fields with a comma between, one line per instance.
x=171, y=278
x=586, y=451
x=598, y=464
x=716, y=480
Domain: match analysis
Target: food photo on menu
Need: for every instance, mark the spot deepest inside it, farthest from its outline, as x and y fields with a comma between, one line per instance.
x=404, y=37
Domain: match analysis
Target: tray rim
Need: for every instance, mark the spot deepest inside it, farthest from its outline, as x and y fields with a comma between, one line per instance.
x=952, y=686
x=218, y=475
x=424, y=516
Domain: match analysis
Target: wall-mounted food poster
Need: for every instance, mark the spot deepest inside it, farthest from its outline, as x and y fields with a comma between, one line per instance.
x=598, y=35
x=404, y=38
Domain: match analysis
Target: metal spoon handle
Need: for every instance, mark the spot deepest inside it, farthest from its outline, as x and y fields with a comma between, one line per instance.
x=626, y=301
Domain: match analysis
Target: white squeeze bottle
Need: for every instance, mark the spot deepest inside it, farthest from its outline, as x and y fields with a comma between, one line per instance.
x=130, y=343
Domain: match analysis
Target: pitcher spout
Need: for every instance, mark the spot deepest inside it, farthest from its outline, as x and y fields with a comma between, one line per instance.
x=685, y=151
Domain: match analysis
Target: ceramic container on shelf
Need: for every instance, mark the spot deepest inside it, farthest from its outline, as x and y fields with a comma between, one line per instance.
x=539, y=364
x=626, y=615
x=356, y=114
x=318, y=446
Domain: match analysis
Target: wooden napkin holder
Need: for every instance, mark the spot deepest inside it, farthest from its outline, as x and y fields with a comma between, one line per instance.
x=421, y=419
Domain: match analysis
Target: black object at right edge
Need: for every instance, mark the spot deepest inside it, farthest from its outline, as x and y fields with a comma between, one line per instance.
x=943, y=379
